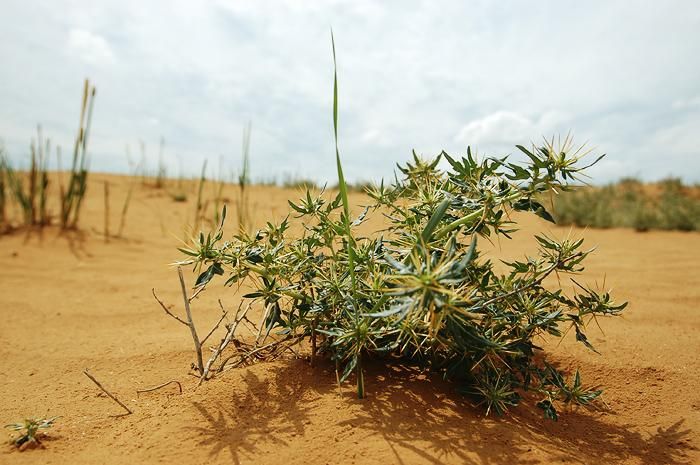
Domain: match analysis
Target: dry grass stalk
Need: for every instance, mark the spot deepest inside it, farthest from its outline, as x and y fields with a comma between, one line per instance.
x=106, y=226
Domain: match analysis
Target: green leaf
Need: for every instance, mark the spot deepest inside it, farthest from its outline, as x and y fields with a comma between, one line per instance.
x=434, y=220
x=348, y=368
x=253, y=295
x=529, y=204
x=342, y=186
x=581, y=337
x=536, y=161
x=549, y=411
x=470, y=253
x=187, y=252
x=206, y=276
x=388, y=312
x=400, y=267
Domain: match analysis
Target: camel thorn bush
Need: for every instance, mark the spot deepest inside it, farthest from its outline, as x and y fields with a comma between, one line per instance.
x=418, y=292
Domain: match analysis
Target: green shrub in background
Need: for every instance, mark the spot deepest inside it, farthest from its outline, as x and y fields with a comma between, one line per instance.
x=668, y=205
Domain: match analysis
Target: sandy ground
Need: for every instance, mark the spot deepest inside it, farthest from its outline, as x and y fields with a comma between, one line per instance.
x=73, y=301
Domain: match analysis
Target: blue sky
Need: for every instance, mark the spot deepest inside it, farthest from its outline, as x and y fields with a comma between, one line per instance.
x=623, y=76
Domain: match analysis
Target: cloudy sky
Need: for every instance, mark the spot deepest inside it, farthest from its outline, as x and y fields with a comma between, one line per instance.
x=622, y=75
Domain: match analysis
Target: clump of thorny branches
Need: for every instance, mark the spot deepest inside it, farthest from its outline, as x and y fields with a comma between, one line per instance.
x=417, y=292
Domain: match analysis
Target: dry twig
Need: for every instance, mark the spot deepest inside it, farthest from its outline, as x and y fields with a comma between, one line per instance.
x=112, y=396
x=216, y=326
x=166, y=309
x=275, y=348
x=155, y=388
x=224, y=342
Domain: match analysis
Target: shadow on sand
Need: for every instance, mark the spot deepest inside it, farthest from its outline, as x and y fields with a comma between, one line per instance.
x=418, y=416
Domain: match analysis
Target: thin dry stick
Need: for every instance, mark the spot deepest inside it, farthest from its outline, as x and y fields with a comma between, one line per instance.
x=166, y=309
x=262, y=322
x=87, y=373
x=225, y=342
x=190, y=323
x=106, y=211
x=272, y=345
x=216, y=326
x=337, y=377
x=313, y=342
x=138, y=391
x=197, y=291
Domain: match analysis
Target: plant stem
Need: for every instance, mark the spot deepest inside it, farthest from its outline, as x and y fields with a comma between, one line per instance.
x=442, y=232
x=190, y=323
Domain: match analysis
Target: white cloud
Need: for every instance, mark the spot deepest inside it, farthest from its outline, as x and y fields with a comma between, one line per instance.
x=682, y=104
x=679, y=139
x=90, y=47
x=497, y=128
x=503, y=129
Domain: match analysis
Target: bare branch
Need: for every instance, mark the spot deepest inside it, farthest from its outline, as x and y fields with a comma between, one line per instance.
x=197, y=291
x=216, y=326
x=225, y=342
x=166, y=309
x=276, y=348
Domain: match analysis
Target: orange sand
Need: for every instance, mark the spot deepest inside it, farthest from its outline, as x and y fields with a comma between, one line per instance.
x=73, y=301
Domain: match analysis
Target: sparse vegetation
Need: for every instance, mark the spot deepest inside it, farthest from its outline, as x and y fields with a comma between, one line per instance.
x=667, y=205
x=28, y=432
x=294, y=182
x=30, y=189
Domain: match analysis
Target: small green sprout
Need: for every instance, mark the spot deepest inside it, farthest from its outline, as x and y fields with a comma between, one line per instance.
x=29, y=430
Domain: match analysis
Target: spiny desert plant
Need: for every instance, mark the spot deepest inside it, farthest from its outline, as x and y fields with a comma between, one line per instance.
x=29, y=430
x=418, y=292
